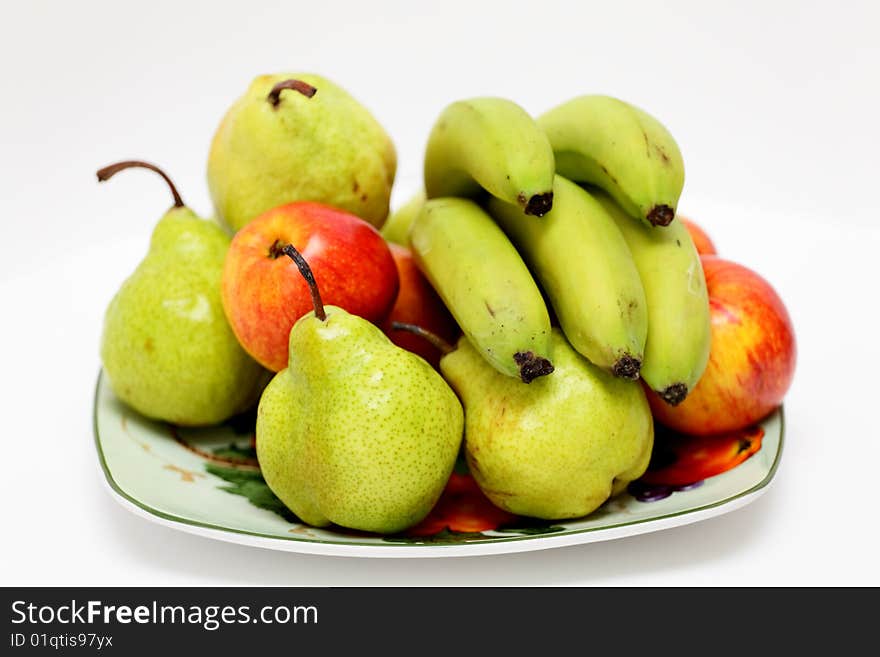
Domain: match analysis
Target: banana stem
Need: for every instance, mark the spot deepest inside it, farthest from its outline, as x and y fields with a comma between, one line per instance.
x=531, y=366
x=627, y=367
x=109, y=171
x=674, y=394
x=538, y=205
x=304, y=88
x=306, y=271
x=441, y=344
x=661, y=215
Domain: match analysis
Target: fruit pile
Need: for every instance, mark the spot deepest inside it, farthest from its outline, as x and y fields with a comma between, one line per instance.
x=538, y=306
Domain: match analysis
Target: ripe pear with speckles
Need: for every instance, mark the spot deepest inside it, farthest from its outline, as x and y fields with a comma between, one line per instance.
x=559, y=447
x=166, y=347
x=299, y=137
x=355, y=431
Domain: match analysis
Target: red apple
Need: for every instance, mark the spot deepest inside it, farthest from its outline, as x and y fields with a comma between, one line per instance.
x=264, y=294
x=700, y=237
x=751, y=358
x=417, y=303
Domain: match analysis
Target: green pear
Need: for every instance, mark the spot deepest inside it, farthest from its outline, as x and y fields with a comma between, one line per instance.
x=558, y=447
x=396, y=227
x=355, y=431
x=299, y=137
x=167, y=348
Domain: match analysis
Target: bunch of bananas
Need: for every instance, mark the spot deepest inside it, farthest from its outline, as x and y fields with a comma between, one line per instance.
x=578, y=208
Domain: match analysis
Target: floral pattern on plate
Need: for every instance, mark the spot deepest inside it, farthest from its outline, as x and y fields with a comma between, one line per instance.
x=207, y=481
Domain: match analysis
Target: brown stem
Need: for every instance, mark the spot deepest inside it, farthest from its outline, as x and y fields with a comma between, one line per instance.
x=306, y=272
x=441, y=344
x=538, y=205
x=661, y=215
x=304, y=88
x=109, y=171
x=244, y=461
x=627, y=367
x=531, y=366
x=674, y=394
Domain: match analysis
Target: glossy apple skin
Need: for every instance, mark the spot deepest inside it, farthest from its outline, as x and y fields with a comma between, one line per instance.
x=751, y=359
x=264, y=294
x=701, y=239
x=417, y=303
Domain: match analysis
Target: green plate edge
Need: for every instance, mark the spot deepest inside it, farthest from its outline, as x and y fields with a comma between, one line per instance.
x=493, y=539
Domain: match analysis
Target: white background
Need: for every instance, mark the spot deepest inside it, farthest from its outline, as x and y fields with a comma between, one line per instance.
x=775, y=106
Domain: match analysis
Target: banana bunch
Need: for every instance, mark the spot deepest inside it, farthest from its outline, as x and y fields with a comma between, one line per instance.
x=583, y=200
x=578, y=254
x=677, y=348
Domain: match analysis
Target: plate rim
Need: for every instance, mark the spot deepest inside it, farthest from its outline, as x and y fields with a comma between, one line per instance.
x=497, y=544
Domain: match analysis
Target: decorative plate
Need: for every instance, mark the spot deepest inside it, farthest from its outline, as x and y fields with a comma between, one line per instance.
x=207, y=482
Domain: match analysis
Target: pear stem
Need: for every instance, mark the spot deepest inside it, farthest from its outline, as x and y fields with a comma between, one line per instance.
x=109, y=171
x=304, y=88
x=306, y=271
x=441, y=344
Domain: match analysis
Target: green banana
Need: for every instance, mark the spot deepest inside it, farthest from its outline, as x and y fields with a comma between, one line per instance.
x=485, y=284
x=493, y=144
x=584, y=265
x=611, y=144
x=396, y=226
x=677, y=349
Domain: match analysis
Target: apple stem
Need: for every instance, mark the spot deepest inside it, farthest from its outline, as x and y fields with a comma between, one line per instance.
x=109, y=171
x=304, y=88
x=441, y=344
x=306, y=271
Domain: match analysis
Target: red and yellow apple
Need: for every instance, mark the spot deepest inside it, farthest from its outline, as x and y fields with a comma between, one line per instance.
x=264, y=294
x=417, y=303
x=751, y=358
x=700, y=237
